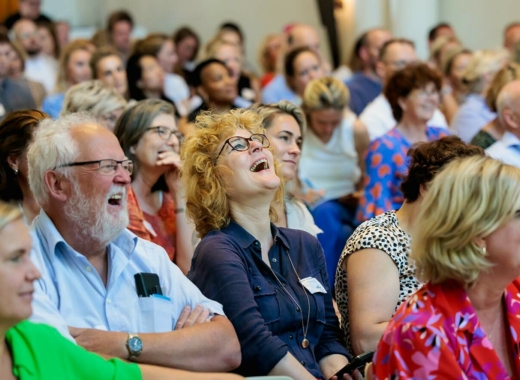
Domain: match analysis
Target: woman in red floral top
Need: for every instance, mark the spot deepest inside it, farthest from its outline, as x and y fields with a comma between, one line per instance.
x=148, y=135
x=463, y=324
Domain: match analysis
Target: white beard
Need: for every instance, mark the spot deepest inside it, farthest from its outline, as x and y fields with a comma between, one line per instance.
x=92, y=219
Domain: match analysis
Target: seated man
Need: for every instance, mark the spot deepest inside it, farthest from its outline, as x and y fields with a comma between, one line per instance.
x=507, y=149
x=80, y=177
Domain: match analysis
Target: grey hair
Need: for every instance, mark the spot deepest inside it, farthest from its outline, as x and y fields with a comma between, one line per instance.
x=268, y=112
x=92, y=96
x=53, y=146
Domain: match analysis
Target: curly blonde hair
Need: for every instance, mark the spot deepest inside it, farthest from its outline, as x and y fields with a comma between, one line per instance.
x=469, y=199
x=207, y=202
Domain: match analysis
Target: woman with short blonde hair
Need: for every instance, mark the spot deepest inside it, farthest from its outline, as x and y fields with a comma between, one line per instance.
x=494, y=130
x=466, y=245
x=476, y=78
x=331, y=168
x=103, y=102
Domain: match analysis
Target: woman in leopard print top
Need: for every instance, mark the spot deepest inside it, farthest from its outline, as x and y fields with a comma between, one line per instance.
x=374, y=274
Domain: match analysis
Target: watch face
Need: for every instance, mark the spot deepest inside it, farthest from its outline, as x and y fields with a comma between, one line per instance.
x=135, y=344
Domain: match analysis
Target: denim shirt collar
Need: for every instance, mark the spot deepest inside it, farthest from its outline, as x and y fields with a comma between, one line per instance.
x=245, y=239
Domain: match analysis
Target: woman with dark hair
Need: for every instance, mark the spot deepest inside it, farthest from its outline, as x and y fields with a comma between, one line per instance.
x=301, y=66
x=162, y=47
x=148, y=135
x=187, y=45
x=145, y=78
x=16, y=132
x=414, y=95
x=374, y=275
x=48, y=39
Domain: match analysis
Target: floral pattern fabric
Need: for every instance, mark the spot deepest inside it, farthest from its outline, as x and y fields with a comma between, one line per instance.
x=437, y=335
x=386, y=165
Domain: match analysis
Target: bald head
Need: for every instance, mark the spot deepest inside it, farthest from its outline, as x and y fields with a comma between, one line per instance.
x=508, y=106
x=302, y=35
x=511, y=35
x=26, y=33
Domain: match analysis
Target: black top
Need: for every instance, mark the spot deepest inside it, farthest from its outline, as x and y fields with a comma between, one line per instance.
x=11, y=20
x=203, y=107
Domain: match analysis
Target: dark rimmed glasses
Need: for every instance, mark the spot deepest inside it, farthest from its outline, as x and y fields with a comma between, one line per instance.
x=105, y=167
x=166, y=133
x=241, y=144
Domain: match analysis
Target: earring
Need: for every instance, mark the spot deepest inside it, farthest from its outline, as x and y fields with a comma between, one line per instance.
x=15, y=171
x=484, y=251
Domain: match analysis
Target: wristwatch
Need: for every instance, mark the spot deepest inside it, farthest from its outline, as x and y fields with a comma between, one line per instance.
x=134, y=344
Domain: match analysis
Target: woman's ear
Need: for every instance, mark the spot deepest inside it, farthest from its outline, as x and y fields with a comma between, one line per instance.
x=402, y=103
x=12, y=161
x=139, y=84
x=202, y=93
x=132, y=149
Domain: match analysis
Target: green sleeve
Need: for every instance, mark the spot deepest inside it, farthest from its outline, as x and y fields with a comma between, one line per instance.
x=40, y=352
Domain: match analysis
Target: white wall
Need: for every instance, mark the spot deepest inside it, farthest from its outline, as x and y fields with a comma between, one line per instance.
x=480, y=23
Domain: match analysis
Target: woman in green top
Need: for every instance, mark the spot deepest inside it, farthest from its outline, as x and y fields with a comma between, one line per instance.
x=494, y=130
x=37, y=351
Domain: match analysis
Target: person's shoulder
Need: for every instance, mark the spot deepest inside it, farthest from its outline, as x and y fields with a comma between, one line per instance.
x=496, y=149
x=438, y=131
x=34, y=331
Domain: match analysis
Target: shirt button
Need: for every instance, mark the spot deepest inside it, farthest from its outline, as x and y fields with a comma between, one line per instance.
x=109, y=301
x=298, y=309
x=283, y=284
x=303, y=362
x=88, y=269
x=258, y=288
x=291, y=336
x=274, y=260
x=257, y=243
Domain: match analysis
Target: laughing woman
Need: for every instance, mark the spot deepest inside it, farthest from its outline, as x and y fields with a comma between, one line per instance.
x=271, y=281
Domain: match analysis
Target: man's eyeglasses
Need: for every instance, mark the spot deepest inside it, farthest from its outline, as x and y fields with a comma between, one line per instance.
x=105, y=167
x=166, y=133
x=241, y=144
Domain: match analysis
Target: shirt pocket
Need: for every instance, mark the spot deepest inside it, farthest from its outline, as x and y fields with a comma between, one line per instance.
x=156, y=314
x=266, y=297
x=319, y=299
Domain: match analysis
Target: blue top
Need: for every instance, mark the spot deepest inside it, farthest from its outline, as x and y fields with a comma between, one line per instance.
x=471, y=117
x=15, y=95
x=71, y=292
x=386, y=165
x=278, y=90
x=228, y=267
x=362, y=91
x=507, y=150
x=53, y=104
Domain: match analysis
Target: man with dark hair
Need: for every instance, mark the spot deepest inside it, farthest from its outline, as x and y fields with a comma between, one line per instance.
x=441, y=29
x=14, y=95
x=377, y=117
x=119, y=27
x=511, y=35
x=365, y=85
x=27, y=9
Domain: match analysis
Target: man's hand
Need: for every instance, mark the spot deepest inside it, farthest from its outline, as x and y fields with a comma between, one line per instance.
x=189, y=318
x=104, y=342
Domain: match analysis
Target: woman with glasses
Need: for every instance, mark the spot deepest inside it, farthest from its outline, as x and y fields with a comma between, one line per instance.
x=272, y=281
x=148, y=135
x=16, y=132
x=414, y=95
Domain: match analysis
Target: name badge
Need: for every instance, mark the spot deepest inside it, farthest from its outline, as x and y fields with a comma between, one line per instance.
x=313, y=285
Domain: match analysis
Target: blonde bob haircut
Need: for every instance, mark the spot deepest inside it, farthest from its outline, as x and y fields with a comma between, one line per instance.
x=483, y=62
x=92, y=96
x=207, y=202
x=214, y=46
x=467, y=200
x=324, y=93
x=9, y=213
x=509, y=73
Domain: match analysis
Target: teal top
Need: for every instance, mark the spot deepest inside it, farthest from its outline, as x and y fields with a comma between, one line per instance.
x=40, y=352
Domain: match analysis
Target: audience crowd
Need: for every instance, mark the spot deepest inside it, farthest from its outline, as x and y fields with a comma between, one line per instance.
x=167, y=211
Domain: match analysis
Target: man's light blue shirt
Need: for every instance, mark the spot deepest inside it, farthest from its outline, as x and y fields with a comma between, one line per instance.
x=278, y=90
x=507, y=150
x=71, y=292
x=471, y=117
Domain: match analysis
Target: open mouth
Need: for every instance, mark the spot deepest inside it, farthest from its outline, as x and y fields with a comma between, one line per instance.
x=259, y=165
x=115, y=200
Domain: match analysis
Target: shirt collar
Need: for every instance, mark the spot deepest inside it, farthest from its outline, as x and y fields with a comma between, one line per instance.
x=510, y=140
x=50, y=237
x=245, y=239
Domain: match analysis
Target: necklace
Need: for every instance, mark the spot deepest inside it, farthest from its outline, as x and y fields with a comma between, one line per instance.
x=305, y=328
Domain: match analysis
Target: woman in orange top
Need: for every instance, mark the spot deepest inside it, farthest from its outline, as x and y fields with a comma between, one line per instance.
x=148, y=135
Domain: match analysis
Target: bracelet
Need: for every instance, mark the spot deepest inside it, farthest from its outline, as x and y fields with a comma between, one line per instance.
x=179, y=210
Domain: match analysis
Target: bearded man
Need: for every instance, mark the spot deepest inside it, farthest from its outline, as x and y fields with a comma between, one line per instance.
x=80, y=177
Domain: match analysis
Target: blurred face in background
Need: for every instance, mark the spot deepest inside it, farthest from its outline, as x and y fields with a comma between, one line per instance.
x=230, y=55
x=167, y=57
x=152, y=75
x=26, y=33
x=78, y=68
x=121, y=36
x=186, y=49
x=307, y=67
x=6, y=54
x=112, y=72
